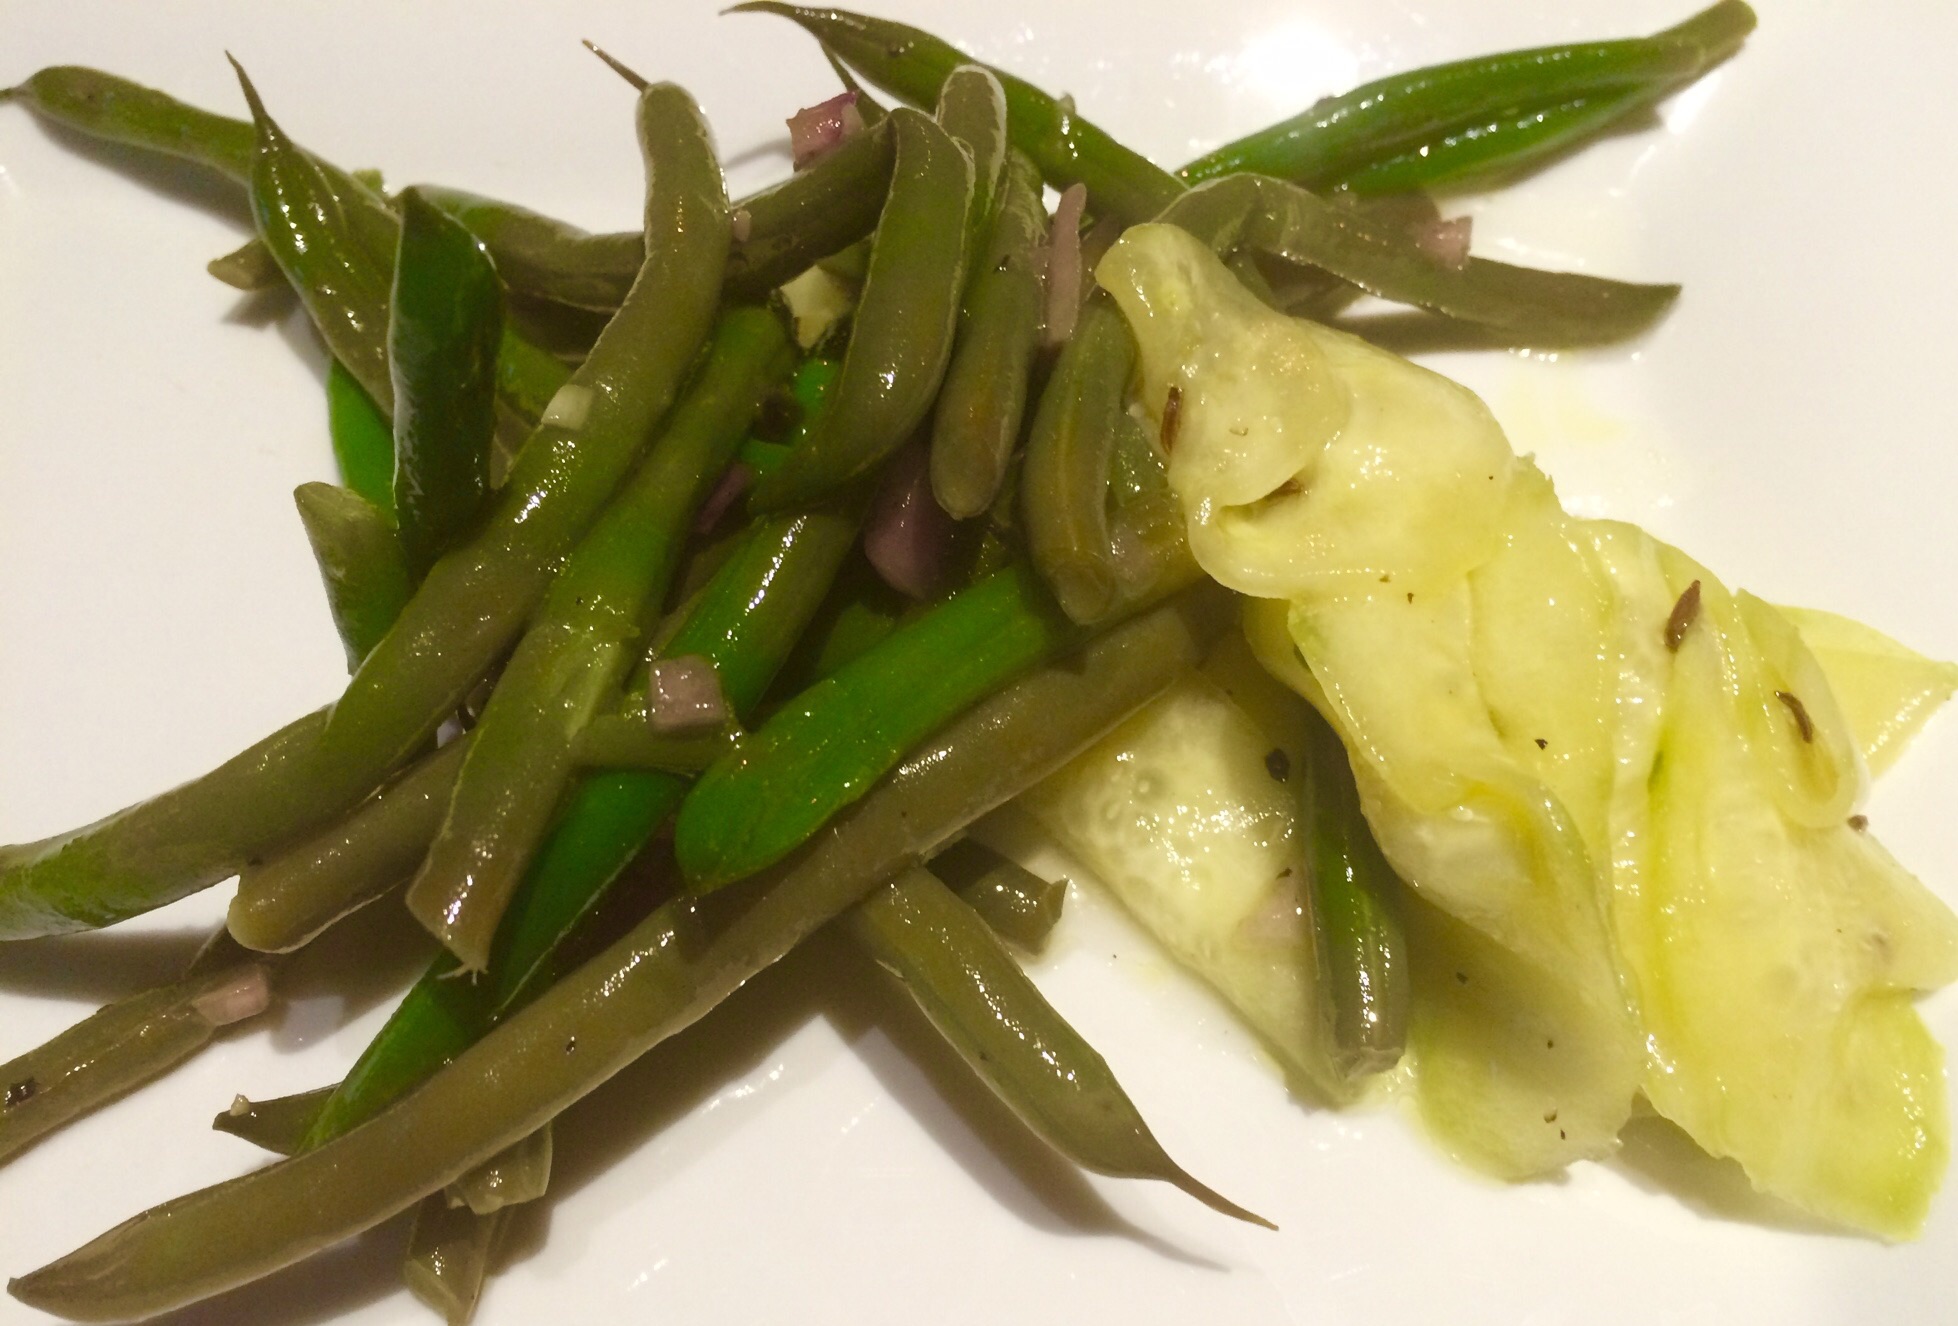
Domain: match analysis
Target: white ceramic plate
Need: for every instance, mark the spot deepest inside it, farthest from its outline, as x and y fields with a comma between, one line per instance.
x=1788, y=424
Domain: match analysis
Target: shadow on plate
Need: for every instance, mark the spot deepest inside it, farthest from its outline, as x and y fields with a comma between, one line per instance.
x=826, y=979
x=1657, y=1157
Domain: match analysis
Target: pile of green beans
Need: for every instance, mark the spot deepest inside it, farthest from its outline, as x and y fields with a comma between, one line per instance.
x=528, y=545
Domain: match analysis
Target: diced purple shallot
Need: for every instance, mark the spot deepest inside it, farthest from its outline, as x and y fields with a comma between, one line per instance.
x=1064, y=264
x=684, y=695
x=815, y=131
x=734, y=482
x=1447, y=242
x=908, y=536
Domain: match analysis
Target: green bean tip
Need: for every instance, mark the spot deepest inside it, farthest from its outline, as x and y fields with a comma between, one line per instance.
x=618, y=67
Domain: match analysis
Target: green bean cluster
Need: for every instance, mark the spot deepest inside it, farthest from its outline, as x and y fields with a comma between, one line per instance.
x=610, y=559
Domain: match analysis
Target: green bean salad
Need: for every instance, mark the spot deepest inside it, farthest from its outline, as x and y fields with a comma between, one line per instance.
x=958, y=625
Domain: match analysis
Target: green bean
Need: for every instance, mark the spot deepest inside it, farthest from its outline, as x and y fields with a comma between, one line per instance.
x=1290, y=223
x=972, y=109
x=791, y=225
x=1400, y=113
x=583, y=641
x=287, y=899
x=360, y=560
x=668, y=972
x=859, y=611
x=277, y=1125
x=104, y=106
x=542, y=256
x=331, y=237
x=1015, y=903
x=1064, y=492
x=613, y=741
x=976, y=423
x=127, y=1043
x=902, y=331
x=1512, y=141
x=477, y=597
x=156, y=851
x=474, y=601
x=445, y=319
x=448, y=1257
x=250, y=267
x=519, y=1173
x=977, y=997
x=1361, y=950
x=827, y=746
x=363, y=439
x=745, y=622
x=830, y=205
x=335, y=239
x=1068, y=149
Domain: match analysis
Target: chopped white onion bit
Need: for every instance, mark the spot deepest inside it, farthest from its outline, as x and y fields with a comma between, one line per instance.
x=1447, y=242
x=685, y=695
x=908, y=536
x=246, y=995
x=569, y=407
x=1064, y=264
x=816, y=130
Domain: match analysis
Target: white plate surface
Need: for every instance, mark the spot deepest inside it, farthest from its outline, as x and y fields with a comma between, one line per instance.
x=1789, y=424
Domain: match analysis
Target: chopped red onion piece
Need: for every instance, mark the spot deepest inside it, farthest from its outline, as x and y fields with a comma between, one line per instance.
x=816, y=130
x=1280, y=920
x=909, y=536
x=1064, y=264
x=685, y=695
x=246, y=995
x=1447, y=242
x=734, y=482
x=742, y=223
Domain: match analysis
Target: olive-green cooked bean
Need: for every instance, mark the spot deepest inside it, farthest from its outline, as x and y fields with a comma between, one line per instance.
x=976, y=422
x=1070, y=455
x=1290, y=223
x=361, y=562
x=278, y=1125
x=901, y=336
x=972, y=108
x=127, y=1043
x=448, y=1257
x=1017, y=904
x=287, y=899
x=938, y=949
x=1361, y=957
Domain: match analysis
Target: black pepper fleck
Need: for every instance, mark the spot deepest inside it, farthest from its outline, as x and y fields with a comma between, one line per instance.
x=19, y=1093
x=1542, y=743
x=1462, y=976
x=1859, y=822
x=1803, y=723
x=1278, y=764
x=1684, y=613
x=571, y=1046
x=1172, y=416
